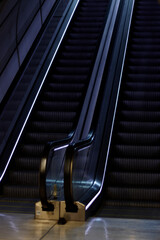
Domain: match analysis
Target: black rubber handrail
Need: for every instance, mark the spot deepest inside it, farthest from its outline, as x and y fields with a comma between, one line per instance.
x=68, y=170
x=46, y=205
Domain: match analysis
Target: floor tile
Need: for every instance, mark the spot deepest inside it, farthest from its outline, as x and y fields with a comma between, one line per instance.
x=23, y=227
x=107, y=229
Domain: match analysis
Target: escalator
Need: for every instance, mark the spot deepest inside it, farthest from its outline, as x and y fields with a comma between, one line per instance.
x=133, y=170
x=58, y=106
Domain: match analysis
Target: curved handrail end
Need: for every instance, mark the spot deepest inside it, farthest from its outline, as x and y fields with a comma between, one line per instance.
x=47, y=205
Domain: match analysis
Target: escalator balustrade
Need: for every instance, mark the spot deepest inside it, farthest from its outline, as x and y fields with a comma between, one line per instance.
x=57, y=109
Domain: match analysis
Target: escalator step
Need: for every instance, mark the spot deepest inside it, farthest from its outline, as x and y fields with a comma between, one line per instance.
x=59, y=96
x=137, y=151
x=144, y=61
x=27, y=163
x=140, y=116
x=133, y=206
x=139, y=127
x=147, y=29
x=136, y=164
x=143, y=77
x=141, y=95
x=138, y=138
x=58, y=87
x=77, y=56
x=145, y=41
x=88, y=25
x=147, y=35
x=70, y=48
x=136, y=179
x=69, y=106
x=90, y=19
x=140, y=105
x=142, y=86
x=56, y=116
x=144, y=69
x=47, y=127
x=133, y=194
x=71, y=70
x=43, y=137
x=24, y=178
x=32, y=150
x=77, y=42
x=74, y=63
x=21, y=191
x=68, y=78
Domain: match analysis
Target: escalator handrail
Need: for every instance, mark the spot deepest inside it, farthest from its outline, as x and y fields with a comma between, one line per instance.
x=68, y=169
x=50, y=146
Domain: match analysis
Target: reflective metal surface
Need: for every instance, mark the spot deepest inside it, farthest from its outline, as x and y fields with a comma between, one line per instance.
x=24, y=226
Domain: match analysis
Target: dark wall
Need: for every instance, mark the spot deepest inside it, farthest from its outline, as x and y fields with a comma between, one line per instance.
x=20, y=22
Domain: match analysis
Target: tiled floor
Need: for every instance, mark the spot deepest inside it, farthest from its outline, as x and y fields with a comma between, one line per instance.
x=25, y=227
